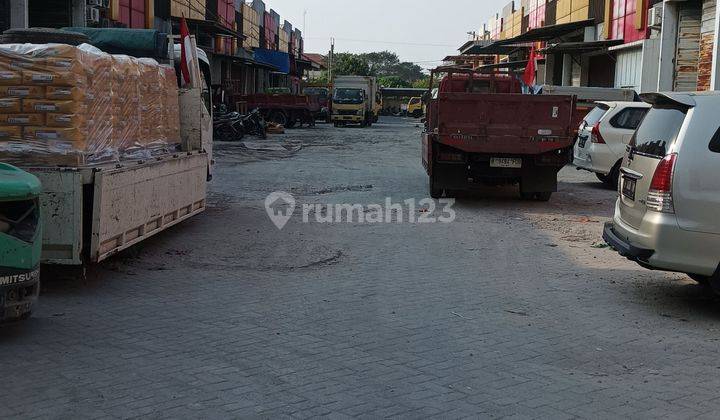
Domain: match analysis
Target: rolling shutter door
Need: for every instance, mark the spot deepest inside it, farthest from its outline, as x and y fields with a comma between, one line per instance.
x=628, y=69
x=707, y=36
x=688, y=48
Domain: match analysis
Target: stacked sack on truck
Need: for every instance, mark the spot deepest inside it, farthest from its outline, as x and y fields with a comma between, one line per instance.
x=66, y=105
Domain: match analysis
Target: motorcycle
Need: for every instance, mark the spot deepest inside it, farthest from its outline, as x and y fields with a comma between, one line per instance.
x=254, y=124
x=227, y=126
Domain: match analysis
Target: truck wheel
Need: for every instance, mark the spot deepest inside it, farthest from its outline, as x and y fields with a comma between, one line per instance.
x=278, y=117
x=434, y=191
x=536, y=196
x=543, y=196
x=700, y=279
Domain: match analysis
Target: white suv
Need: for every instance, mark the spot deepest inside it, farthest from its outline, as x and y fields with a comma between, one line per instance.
x=667, y=216
x=604, y=135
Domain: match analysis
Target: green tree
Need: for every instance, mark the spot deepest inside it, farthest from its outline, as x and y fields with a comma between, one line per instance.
x=393, y=82
x=347, y=64
x=381, y=63
x=425, y=82
x=408, y=71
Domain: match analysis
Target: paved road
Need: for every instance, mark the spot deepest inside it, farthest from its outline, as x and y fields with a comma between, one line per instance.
x=513, y=310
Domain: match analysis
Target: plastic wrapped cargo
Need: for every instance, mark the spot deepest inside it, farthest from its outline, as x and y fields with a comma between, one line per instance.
x=73, y=106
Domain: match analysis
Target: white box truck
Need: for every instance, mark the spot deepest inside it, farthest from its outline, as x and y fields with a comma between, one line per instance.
x=356, y=100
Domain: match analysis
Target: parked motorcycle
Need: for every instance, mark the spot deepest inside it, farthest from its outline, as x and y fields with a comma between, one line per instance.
x=254, y=124
x=227, y=126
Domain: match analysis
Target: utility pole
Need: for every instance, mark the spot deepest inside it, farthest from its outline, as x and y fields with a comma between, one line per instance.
x=331, y=59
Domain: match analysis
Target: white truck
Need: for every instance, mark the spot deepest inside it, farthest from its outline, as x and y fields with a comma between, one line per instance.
x=93, y=212
x=356, y=100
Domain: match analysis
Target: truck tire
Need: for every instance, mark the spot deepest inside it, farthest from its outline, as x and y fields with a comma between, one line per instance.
x=43, y=36
x=536, y=196
x=278, y=117
x=434, y=191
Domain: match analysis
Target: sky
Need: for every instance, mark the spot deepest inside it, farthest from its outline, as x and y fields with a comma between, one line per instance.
x=421, y=31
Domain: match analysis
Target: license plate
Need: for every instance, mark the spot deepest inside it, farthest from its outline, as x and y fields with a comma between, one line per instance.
x=582, y=141
x=628, y=187
x=506, y=163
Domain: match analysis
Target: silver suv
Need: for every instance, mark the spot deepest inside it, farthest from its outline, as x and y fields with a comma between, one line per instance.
x=667, y=216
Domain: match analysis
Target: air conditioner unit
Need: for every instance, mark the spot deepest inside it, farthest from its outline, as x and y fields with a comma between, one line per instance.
x=94, y=2
x=655, y=15
x=92, y=15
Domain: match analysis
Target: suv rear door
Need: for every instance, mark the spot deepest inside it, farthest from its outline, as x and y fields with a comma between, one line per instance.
x=696, y=190
x=652, y=141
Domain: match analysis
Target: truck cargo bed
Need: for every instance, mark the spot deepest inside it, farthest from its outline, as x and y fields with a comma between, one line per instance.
x=503, y=123
x=94, y=212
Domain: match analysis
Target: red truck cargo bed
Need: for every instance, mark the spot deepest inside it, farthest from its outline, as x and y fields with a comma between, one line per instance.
x=503, y=123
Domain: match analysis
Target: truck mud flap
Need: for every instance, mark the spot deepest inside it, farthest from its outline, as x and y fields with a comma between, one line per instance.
x=134, y=203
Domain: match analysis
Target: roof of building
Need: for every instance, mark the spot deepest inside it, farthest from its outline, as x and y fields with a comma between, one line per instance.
x=316, y=58
x=547, y=33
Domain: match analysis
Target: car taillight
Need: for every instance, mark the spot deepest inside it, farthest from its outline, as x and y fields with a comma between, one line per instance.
x=595, y=136
x=660, y=194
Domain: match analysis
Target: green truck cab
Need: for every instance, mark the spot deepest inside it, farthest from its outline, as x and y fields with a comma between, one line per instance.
x=20, y=242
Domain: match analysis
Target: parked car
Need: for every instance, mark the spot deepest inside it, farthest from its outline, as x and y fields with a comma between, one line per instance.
x=604, y=135
x=666, y=216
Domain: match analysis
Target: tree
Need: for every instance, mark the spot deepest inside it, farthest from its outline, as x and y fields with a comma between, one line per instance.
x=393, y=82
x=408, y=71
x=346, y=64
x=381, y=63
x=425, y=82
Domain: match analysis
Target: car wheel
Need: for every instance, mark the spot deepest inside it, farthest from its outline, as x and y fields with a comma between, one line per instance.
x=614, y=176
x=43, y=36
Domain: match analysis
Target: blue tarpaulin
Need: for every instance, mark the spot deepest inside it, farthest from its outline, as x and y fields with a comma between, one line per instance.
x=277, y=59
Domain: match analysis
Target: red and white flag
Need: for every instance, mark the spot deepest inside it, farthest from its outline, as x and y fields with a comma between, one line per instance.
x=529, y=76
x=187, y=55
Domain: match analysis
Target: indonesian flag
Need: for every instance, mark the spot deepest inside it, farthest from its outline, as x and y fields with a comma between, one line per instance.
x=529, y=76
x=187, y=55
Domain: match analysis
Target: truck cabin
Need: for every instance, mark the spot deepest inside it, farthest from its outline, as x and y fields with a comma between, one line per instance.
x=349, y=96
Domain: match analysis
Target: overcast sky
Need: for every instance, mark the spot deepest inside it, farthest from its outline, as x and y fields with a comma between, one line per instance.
x=417, y=30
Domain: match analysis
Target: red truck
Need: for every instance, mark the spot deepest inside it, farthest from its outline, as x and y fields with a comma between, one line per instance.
x=480, y=130
x=284, y=108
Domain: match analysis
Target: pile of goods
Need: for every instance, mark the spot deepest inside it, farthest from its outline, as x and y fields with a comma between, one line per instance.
x=72, y=106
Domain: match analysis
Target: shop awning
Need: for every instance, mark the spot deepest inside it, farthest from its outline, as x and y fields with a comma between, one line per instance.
x=493, y=48
x=276, y=59
x=506, y=65
x=547, y=33
x=580, y=47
